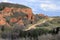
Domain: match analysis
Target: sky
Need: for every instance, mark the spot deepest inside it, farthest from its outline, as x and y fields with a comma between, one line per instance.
x=47, y=7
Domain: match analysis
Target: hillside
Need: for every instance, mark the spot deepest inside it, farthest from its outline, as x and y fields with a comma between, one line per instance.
x=40, y=23
x=50, y=24
x=19, y=22
x=16, y=15
x=2, y=4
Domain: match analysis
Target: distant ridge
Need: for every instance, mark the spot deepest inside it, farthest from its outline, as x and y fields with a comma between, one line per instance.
x=6, y=4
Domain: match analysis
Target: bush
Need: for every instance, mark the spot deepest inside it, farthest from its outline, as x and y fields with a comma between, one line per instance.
x=1, y=8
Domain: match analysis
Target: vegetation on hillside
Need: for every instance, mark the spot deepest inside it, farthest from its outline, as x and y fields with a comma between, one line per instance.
x=12, y=5
x=15, y=30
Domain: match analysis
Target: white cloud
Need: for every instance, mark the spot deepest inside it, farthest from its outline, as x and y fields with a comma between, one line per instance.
x=49, y=7
x=39, y=1
x=45, y=1
x=4, y=0
x=7, y=1
x=31, y=0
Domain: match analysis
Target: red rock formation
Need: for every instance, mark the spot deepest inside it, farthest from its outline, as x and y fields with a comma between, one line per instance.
x=18, y=10
x=46, y=17
x=42, y=15
x=28, y=12
x=1, y=16
x=20, y=22
x=7, y=9
x=13, y=20
x=2, y=21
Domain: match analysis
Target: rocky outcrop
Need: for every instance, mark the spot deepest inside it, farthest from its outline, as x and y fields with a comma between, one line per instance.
x=2, y=21
x=13, y=20
x=11, y=14
x=20, y=22
x=42, y=15
x=8, y=11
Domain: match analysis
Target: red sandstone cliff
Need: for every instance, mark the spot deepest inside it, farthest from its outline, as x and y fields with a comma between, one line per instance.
x=9, y=11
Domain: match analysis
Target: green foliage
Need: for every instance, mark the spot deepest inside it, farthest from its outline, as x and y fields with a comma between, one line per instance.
x=8, y=18
x=1, y=8
x=55, y=21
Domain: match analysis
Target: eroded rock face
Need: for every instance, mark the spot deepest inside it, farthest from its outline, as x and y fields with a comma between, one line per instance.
x=1, y=16
x=20, y=22
x=18, y=15
x=2, y=21
x=14, y=12
x=13, y=20
x=46, y=17
x=8, y=11
x=42, y=15
x=28, y=12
